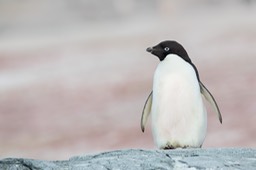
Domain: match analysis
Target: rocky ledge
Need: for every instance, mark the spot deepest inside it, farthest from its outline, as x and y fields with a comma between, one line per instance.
x=226, y=158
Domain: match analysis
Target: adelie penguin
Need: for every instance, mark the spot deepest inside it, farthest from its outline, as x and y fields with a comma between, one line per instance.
x=179, y=117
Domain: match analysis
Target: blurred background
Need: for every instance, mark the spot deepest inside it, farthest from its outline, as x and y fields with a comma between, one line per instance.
x=74, y=74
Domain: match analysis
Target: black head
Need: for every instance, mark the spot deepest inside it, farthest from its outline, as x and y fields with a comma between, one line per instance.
x=164, y=48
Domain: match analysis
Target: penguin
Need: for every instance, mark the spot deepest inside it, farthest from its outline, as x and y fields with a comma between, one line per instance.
x=178, y=114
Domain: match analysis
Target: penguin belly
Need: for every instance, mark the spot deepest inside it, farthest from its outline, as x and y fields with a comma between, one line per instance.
x=179, y=118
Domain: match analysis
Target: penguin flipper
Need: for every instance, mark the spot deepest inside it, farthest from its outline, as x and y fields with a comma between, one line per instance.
x=209, y=97
x=146, y=112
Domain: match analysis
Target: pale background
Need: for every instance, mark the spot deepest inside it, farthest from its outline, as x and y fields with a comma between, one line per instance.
x=74, y=74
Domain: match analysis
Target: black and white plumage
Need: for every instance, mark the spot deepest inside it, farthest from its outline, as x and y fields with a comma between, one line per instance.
x=179, y=117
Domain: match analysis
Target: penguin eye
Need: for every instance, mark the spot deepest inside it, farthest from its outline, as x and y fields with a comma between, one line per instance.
x=166, y=49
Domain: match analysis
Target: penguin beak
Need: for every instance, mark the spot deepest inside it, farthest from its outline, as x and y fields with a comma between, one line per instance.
x=149, y=49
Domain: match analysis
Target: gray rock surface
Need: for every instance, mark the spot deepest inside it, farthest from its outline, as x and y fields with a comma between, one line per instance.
x=228, y=158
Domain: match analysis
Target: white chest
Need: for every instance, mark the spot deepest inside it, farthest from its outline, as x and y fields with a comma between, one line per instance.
x=178, y=113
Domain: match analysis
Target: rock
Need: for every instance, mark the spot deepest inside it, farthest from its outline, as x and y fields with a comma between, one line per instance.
x=30, y=164
x=233, y=158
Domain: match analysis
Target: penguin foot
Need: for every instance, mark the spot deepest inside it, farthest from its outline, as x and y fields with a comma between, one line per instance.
x=168, y=147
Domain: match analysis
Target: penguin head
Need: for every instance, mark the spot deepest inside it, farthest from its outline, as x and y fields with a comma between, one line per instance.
x=167, y=47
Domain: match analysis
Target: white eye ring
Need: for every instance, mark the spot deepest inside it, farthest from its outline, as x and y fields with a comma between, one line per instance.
x=166, y=49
